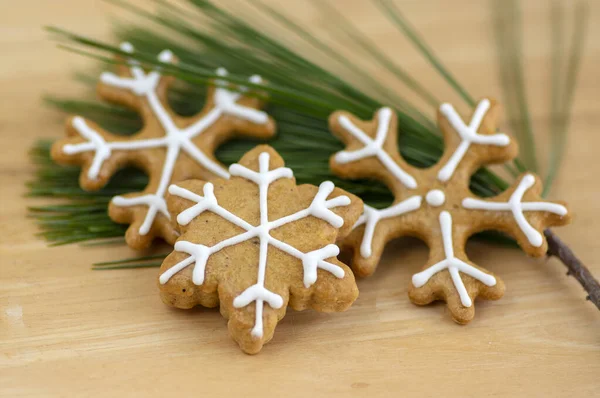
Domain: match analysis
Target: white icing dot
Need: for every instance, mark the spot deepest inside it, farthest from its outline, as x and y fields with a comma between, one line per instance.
x=435, y=197
x=165, y=56
x=126, y=47
x=256, y=79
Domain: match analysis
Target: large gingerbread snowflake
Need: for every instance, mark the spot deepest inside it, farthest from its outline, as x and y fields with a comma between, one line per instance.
x=257, y=242
x=436, y=205
x=169, y=147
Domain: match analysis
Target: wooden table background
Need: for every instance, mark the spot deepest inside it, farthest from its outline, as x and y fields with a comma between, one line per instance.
x=68, y=331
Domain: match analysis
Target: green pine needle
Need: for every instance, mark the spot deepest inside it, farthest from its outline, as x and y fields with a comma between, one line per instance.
x=337, y=20
x=392, y=12
x=562, y=95
x=508, y=32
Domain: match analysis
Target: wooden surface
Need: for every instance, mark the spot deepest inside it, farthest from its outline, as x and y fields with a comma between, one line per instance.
x=68, y=331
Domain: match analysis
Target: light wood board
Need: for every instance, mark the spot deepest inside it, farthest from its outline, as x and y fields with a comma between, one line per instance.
x=66, y=330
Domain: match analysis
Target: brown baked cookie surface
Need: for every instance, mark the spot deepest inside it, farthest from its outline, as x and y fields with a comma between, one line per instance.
x=169, y=147
x=436, y=204
x=256, y=243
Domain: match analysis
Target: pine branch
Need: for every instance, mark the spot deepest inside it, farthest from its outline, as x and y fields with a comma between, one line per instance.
x=301, y=94
x=558, y=248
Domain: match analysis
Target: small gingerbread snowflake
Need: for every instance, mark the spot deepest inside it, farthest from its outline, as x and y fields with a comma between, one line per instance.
x=169, y=147
x=436, y=205
x=255, y=243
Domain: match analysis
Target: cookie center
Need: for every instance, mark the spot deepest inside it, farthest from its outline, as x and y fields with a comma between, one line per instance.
x=435, y=197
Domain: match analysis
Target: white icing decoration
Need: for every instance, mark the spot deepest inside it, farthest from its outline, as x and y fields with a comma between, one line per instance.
x=372, y=216
x=175, y=140
x=199, y=254
x=374, y=147
x=435, y=197
x=453, y=264
x=126, y=47
x=468, y=135
x=517, y=207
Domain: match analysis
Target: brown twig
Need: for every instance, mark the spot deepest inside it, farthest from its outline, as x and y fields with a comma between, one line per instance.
x=557, y=248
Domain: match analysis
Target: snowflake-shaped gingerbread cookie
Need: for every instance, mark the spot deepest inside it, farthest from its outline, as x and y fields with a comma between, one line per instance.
x=436, y=205
x=257, y=242
x=169, y=148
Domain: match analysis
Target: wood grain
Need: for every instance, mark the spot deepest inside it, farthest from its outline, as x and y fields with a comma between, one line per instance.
x=68, y=331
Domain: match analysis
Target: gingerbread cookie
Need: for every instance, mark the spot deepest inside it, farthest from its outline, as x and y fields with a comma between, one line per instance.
x=436, y=205
x=169, y=148
x=257, y=242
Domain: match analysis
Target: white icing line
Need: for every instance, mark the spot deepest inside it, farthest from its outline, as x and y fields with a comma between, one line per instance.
x=374, y=147
x=156, y=204
x=468, y=135
x=517, y=207
x=200, y=157
x=372, y=216
x=453, y=264
x=175, y=139
x=95, y=141
x=258, y=293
